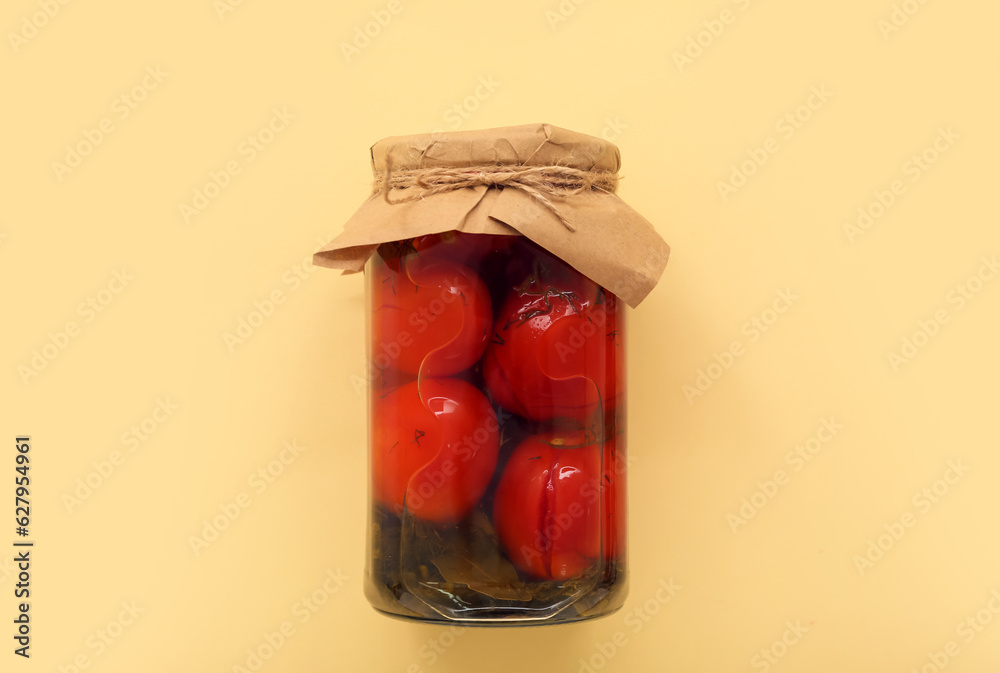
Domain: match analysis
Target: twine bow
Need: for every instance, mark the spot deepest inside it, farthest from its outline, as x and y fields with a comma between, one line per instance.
x=542, y=183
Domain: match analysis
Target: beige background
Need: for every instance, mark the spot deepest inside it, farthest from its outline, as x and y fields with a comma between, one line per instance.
x=788, y=583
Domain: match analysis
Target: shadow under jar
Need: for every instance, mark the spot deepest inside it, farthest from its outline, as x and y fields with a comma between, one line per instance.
x=497, y=434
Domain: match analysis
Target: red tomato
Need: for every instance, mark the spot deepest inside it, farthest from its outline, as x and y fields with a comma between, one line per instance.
x=548, y=506
x=430, y=317
x=434, y=448
x=557, y=346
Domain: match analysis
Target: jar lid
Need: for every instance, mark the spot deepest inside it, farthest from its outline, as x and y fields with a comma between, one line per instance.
x=547, y=183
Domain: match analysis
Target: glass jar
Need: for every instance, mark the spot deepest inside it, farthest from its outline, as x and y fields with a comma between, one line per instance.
x=496, y=434
x=499, y=264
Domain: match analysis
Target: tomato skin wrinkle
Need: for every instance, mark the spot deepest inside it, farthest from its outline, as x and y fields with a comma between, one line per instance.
x=546, y=518
x=526, y=315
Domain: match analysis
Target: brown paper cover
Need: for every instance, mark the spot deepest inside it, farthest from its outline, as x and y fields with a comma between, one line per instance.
x=610, y=242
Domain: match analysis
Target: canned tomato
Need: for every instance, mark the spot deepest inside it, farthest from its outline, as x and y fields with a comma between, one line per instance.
x=496, y=359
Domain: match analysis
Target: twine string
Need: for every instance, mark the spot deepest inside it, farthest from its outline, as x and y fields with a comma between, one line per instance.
x=542, y=183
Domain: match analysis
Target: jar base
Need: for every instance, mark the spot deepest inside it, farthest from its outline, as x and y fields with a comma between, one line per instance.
x=598, y=601
x=499, y=620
